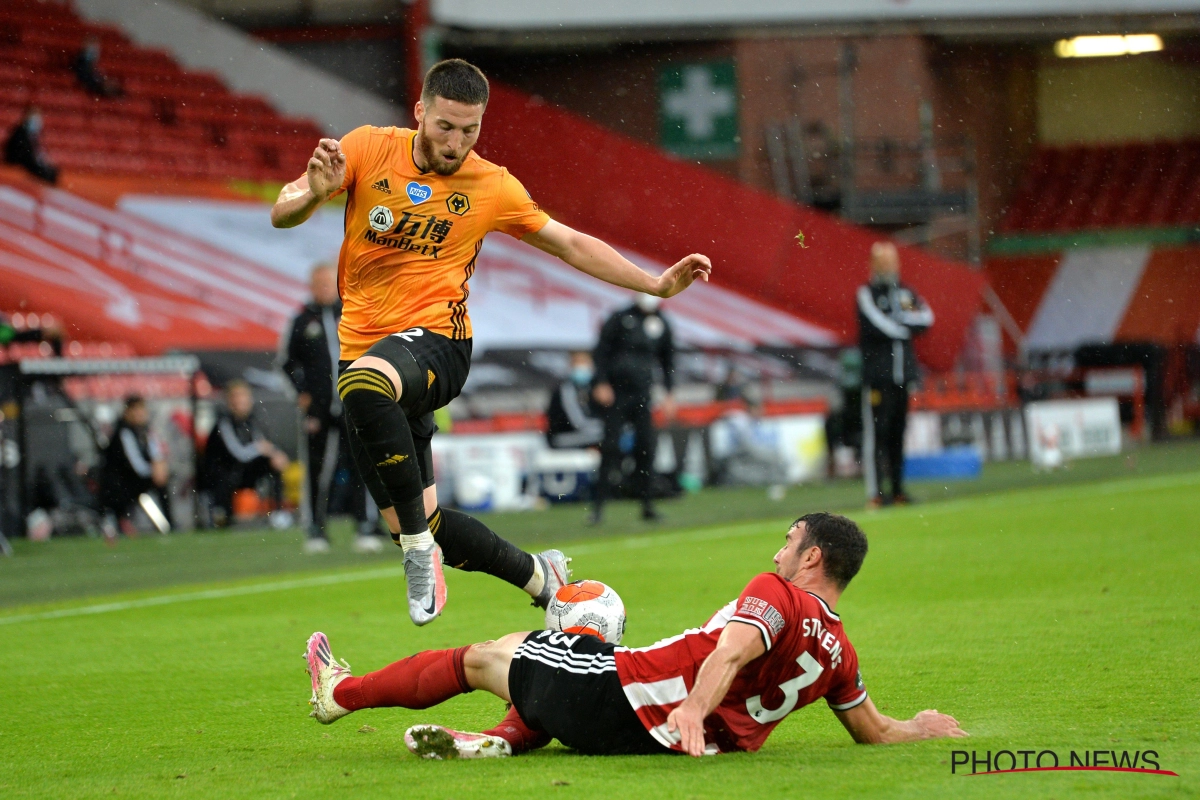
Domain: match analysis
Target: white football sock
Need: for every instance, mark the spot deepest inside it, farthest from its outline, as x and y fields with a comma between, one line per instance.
x=538, y=581
x=421, y=541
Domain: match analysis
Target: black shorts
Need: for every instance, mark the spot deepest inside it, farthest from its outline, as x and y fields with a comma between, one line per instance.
x=566, y=684
x=433, y=369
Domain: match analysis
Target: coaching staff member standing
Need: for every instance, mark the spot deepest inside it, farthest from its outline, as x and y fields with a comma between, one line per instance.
x=632, y=342
x=890, y=314
x=310, y=355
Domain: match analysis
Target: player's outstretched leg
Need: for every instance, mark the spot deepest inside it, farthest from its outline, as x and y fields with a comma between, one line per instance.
x=511, y=737
x=441, y=744
x=471, y=546
x=383, y=431
x=419, y=681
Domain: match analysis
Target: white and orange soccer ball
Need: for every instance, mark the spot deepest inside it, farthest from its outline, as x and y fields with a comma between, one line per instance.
x=587, y=607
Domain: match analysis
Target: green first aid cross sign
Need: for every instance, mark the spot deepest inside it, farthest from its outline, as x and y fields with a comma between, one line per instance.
x=698, y=109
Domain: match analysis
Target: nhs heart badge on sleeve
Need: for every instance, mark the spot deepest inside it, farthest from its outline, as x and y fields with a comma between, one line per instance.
x=418, y=193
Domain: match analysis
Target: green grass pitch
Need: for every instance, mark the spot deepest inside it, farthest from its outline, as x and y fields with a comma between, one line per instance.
x=1061, y=618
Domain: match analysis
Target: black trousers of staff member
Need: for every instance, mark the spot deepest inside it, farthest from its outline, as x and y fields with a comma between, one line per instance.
x=328, y=450
x=885, y=416
x=627, y=408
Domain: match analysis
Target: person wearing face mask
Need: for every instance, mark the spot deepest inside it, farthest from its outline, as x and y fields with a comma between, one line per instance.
x=633, y=342
x=890, y=315
x=309, y=358
x=23, y=148
x=571, y=418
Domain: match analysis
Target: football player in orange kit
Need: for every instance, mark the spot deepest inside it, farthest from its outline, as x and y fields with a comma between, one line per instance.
x=419, y=204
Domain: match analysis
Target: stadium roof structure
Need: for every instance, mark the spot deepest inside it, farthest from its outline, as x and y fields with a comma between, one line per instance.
x=557, y=16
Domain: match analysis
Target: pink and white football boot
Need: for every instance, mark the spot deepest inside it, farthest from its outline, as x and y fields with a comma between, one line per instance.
x=436, y=742
x=326, y=674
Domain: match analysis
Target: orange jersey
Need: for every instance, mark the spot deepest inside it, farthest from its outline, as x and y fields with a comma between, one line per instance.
x=412, y=238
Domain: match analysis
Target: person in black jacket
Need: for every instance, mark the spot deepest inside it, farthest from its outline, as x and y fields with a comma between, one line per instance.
x=309, y=359
x=134, y=464
x=890, y=314
x=238, y=454
x=23, y=148
x=632, y=343
x=571, y=419
x=86, y=66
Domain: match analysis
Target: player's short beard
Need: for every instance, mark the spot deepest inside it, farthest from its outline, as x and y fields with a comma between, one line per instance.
x=434, y=161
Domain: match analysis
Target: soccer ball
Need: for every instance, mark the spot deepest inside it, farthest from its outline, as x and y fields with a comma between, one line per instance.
x=587, y=607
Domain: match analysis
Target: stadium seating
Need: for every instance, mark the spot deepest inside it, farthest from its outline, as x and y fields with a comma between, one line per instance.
x=169, y=122
x=1138, y=185
x=113, y=276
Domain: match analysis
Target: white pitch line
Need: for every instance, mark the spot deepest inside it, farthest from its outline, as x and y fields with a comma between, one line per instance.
x=627, y=543
x=631, y=543
x=208, y=594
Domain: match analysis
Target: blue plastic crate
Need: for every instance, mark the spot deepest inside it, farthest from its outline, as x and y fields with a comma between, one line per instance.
x=954, y=464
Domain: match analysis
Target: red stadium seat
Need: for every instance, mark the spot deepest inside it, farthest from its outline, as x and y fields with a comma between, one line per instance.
x=1105, y=186
x=169, y=122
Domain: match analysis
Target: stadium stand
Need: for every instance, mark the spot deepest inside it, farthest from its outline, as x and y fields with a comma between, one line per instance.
x=520, y=298
x=1102, y=294
x=170, y=122
x=179, y=126
x=667, y=207
x=1096, y=245
x=1136, y=185
x=117, y=277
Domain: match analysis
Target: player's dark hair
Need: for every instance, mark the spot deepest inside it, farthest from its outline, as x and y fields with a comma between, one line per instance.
x=134, y=400
x=457, y=80
x=843, y=544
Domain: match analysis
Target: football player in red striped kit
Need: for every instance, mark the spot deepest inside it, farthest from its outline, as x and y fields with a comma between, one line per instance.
x=718, y=688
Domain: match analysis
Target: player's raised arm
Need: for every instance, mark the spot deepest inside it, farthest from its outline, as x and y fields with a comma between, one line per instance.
x=300, y=198
x=740, y=643
x=596, y=258
x=867, y=726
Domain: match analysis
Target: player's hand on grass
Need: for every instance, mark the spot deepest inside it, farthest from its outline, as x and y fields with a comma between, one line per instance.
x=935, y=725
x=682, y=274
x=326, y=169
x=689, y=723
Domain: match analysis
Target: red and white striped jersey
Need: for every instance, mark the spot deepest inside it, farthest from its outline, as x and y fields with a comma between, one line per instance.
x=808, y=657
